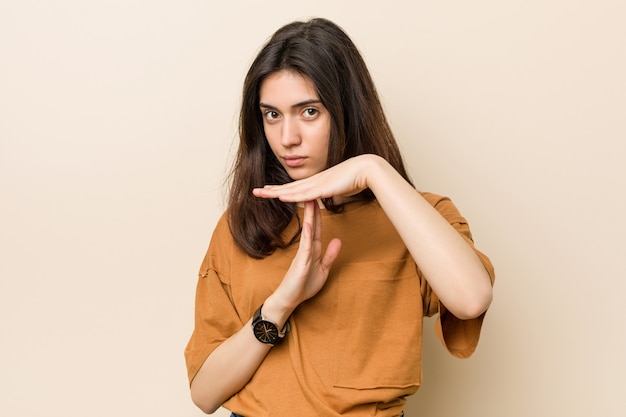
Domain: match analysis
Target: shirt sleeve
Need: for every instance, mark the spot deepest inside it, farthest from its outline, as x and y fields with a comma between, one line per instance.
x=216, y=318
x=460, y=337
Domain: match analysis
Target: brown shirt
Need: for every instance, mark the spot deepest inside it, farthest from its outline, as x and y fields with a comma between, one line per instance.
x=355, y=348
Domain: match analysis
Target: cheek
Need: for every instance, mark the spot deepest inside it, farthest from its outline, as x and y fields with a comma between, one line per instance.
x=324, y=141
x=271, y=138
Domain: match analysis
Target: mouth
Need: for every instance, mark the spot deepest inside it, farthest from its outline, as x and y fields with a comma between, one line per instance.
x=294, y=160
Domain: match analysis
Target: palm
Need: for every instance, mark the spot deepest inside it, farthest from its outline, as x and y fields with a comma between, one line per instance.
x=310, y=267
x=344, y=179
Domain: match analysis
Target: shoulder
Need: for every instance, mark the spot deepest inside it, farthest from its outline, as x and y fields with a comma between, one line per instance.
x=222, y=240
x=220, y=247
x=222, y=228
x=433, y=199
x=444, y=206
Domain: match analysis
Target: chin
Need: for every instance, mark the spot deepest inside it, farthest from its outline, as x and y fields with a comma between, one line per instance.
x=300, y=175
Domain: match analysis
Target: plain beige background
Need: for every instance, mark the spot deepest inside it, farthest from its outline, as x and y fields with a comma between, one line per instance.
x=117, y=124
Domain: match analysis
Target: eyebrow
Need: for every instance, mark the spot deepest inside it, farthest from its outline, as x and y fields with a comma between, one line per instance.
x=300, y=104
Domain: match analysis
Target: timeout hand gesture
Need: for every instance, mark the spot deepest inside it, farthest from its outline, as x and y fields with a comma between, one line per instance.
x=342, y=180
x=310, y=267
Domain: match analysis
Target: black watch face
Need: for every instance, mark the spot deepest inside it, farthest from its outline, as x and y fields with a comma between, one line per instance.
x=266, y=332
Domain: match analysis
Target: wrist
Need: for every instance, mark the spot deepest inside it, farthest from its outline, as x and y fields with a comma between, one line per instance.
x=275, y=311
x=266, y=331
x=374, y=168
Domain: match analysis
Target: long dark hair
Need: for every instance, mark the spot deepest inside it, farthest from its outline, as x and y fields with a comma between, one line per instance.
x=321, y=51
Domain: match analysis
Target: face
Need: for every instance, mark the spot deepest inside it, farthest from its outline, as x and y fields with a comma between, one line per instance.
x=296, y=124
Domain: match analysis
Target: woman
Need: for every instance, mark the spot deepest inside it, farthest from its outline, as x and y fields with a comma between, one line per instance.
x=311, y=296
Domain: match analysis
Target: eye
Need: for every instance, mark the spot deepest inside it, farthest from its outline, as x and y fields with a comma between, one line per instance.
x=310, y=112
x=270, y=115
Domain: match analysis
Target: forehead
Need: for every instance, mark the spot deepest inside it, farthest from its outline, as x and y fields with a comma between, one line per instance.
x=286, y=88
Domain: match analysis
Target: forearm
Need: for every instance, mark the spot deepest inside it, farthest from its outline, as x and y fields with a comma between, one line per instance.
x=449, y=264
x=231, y=365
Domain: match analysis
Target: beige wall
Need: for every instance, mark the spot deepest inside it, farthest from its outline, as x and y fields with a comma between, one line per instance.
x=116, y=123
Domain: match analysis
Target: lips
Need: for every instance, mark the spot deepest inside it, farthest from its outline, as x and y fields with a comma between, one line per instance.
x=294, y=160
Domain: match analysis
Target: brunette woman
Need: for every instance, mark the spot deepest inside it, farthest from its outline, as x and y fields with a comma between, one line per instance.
x=311, y=296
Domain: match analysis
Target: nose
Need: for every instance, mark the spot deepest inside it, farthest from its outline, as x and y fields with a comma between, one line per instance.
x=290, y=133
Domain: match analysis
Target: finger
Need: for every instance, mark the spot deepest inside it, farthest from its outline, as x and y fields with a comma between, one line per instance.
x=306, y=240
x=309, y=213
x=332, y=252
x=301, y=190
x=318, y=222
x=264, y=192
x=267, y=190
x=299, y=194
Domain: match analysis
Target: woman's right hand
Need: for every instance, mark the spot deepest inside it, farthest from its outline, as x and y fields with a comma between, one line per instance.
x=231, y=365
x=309, y=269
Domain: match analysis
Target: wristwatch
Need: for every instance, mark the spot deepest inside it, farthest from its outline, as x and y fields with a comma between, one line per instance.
x=266, y=331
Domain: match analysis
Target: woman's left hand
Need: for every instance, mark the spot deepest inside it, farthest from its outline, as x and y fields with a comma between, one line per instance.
x=448, y=263
x=344, y=179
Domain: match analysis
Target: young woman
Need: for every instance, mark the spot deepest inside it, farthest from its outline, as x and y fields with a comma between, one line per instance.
x=311, y=296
